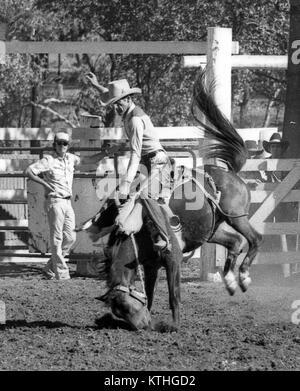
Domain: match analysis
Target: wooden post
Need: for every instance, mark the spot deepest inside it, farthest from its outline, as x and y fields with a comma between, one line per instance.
x=208, y=260
x=2, y=42
x=218, y=76
x=219, y=43
x=2, y=312
x=243, y=61
x=291, y=127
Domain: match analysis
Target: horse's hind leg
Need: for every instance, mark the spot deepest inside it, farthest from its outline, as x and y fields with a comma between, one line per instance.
x=243, y=226
x=233, y=242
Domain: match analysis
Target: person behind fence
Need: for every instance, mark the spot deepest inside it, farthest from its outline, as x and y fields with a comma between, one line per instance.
x=284, y=212
x=276, y=147
x=255, y=151
x=55, y=173
x=145, y=148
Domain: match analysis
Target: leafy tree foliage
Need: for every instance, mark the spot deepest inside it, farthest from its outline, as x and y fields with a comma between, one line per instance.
x=260, y=26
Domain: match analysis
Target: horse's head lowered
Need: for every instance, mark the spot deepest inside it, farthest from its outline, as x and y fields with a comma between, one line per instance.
x=131, y=305
x=125, y=300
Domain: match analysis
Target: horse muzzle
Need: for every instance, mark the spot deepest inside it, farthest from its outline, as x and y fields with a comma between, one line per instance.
x=130, y=305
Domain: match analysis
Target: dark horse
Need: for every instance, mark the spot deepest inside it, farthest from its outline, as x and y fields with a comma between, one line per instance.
x=202, y=219
x=125, y=254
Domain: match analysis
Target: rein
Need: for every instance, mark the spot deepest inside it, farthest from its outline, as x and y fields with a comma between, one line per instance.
x=141, y=297
x=131, y=291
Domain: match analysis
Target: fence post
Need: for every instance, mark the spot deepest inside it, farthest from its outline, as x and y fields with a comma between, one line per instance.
x=218, y=80
x=2, y=42
x=218, y=73
x=291, y=127
x=2, y=312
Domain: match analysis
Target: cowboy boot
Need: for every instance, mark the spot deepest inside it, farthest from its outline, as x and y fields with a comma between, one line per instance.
x=174, y=221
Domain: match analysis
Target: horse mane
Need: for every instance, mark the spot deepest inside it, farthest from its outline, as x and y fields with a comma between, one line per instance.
x=225, y=143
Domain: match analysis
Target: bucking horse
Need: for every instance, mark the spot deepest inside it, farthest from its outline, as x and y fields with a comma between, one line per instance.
x=203, y=217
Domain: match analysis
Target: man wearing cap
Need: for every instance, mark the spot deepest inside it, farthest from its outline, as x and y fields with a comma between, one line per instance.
x=255, y=151
x=145, y=147
x=55, y=173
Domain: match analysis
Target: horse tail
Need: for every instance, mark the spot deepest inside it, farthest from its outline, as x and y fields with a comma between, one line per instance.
x=225, y=143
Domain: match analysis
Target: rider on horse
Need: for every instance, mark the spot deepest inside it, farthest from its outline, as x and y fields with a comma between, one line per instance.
x=145, y=149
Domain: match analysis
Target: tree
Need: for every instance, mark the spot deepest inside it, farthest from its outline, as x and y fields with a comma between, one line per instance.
x=292, y=117
x=261, y=27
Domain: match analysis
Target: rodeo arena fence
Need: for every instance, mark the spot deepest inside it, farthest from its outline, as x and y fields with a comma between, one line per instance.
x=23, y=225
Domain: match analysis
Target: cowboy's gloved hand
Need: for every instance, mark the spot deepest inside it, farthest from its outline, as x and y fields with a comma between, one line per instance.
x=92, y=78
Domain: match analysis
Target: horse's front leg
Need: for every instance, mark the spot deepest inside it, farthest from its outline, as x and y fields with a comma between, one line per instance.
x=173, y=276
x=151, y=271
x=233, y=242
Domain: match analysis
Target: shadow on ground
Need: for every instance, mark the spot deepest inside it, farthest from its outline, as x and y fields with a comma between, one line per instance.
x=107, y=321
x=27, y=270
x=14, y=270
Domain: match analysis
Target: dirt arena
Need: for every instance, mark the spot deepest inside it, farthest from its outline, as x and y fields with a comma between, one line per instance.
x=54, y=325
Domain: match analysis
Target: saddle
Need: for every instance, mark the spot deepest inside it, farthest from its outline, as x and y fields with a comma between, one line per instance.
x=130, y=219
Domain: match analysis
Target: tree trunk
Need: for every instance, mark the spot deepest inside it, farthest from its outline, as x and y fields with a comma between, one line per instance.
x=60, y=91
x=271, y=103
x=35, y=116
x=244, y=106
x=291, y=127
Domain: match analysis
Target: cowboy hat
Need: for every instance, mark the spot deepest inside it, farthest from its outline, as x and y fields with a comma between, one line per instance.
x=275, y=139
x=117, y=90
x=253, y=146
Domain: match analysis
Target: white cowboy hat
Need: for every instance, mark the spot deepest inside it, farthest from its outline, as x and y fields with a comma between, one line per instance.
x=275, y=139
x=117, y=90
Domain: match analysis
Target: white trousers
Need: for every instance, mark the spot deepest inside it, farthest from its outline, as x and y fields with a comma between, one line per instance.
x=62, y=235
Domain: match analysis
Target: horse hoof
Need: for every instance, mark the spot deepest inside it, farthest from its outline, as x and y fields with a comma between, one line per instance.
x=244, y=281
x=230, y=283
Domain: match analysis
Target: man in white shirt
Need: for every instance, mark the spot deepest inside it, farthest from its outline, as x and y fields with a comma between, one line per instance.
x=55, y=173
x=145, y=147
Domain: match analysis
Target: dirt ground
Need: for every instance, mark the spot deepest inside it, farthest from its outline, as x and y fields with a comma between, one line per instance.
x=53, y=325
